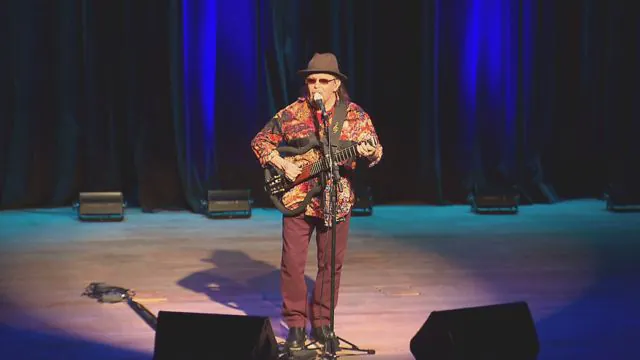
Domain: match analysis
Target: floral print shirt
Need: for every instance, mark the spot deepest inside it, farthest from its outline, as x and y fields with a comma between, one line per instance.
x=298, y=121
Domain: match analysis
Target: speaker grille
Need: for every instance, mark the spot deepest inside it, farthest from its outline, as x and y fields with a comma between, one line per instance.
x=181, y=335
x=497, y=332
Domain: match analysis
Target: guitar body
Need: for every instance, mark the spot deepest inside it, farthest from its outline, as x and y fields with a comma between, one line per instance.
x=292, y=197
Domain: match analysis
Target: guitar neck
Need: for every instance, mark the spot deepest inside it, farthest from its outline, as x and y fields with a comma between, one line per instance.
x=342, y=155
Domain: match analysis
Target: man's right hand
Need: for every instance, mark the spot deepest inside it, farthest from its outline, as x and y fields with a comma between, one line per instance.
x=290, y=169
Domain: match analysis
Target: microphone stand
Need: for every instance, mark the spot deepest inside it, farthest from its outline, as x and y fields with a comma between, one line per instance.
x=331, y=342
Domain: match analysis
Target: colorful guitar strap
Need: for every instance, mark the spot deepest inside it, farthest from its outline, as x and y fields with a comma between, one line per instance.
x=336, y=128
x=338, y=121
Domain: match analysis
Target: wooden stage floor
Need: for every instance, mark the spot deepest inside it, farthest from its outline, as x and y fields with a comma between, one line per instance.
x=574, y=263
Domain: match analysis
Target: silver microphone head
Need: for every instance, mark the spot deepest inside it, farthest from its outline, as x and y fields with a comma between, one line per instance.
x=317, y=97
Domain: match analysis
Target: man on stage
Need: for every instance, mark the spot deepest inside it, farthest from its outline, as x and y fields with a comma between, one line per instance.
x=294, y=125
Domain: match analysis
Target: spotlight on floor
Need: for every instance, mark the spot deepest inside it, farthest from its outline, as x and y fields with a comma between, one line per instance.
x=227, y=204
x=494, y=200
x=100, y=206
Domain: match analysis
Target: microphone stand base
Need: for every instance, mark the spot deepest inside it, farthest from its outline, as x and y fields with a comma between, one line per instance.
x=331, y=348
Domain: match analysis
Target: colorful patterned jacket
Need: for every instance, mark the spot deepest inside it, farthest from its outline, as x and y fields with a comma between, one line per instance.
x=297, y=121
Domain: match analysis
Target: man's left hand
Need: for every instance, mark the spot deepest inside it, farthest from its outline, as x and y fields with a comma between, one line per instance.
x=366, y=150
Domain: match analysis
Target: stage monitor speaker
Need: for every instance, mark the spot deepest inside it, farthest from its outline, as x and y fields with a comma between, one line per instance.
x=364, y=202
x=100, y=206
x=622, y=197
x=494, y=199
x=186, y=336
x=494, y=332
x=227, y=204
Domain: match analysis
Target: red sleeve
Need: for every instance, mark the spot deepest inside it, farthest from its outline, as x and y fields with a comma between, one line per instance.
x=364, y=130
x=266, y=141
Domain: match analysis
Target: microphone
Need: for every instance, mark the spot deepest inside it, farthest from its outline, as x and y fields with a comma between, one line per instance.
x=317, y=99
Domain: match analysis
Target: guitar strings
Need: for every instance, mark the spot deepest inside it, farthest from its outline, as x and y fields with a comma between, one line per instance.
x=340, y=157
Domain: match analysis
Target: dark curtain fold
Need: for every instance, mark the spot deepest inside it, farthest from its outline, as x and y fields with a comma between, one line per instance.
x=89, y=106
x=159, y=99
x=593, y=115
x=192, y=39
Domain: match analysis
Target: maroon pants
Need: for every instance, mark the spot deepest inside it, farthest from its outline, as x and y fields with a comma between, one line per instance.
x=297, y=235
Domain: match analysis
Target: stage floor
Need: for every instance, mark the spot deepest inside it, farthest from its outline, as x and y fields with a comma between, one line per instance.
x=574, y=263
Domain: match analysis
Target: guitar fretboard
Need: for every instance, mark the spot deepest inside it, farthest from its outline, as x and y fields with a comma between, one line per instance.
x=342, y=155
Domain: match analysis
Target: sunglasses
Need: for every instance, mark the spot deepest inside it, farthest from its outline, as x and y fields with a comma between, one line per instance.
x=311, y=81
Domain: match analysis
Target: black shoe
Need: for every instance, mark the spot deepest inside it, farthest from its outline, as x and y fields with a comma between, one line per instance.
x=322, y=334
x=296, y=338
